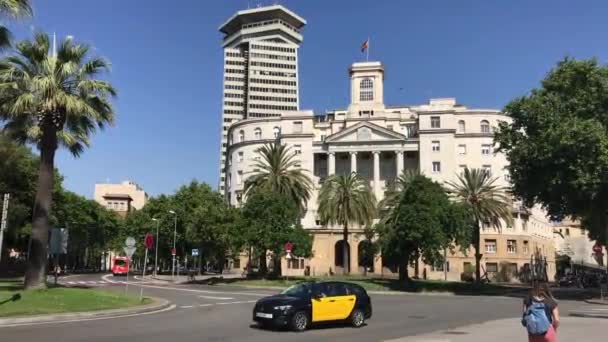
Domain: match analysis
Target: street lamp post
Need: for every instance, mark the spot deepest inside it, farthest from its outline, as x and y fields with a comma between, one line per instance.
x=156, y=248
x=174, y=239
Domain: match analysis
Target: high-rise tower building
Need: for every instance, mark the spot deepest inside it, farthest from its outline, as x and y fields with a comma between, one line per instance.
x=260, y=67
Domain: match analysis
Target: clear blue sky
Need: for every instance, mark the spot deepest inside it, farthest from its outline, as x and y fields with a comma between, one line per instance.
x=167, y=65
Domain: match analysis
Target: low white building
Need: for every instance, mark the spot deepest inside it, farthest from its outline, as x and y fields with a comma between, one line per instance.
x=439, y=138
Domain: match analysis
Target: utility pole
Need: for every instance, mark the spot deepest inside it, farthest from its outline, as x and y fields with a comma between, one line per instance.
x=4, y=220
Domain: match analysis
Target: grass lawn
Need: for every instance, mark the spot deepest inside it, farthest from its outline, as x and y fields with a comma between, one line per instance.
x=14, y=301
x=382, y=284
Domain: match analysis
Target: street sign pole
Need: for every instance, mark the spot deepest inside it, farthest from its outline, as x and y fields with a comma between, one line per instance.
x=129, y=251
x=3, y=220
x=143, y=277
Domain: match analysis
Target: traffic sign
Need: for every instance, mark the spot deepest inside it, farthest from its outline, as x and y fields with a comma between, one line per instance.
x=129, y=251
x=195, y=252
x=130, y=242
x=173, y=252
x=149, y=241
x=288, y=247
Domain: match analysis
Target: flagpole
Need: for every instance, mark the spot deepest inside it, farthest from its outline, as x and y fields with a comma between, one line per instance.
x=367, y=50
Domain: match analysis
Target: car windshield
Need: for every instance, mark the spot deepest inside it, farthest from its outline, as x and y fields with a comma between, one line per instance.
x=298, y=290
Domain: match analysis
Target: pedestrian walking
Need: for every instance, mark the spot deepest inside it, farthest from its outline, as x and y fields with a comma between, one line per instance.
x=540, y=314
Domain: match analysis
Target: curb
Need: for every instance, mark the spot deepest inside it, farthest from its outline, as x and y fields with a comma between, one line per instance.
x=156, y=305
x=588, y=315
x=596, y=302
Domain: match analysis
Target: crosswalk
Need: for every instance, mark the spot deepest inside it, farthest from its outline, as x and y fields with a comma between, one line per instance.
x=92, y=283
x=597, y=311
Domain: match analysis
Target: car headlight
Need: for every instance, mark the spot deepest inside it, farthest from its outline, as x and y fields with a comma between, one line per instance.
x=282, y=307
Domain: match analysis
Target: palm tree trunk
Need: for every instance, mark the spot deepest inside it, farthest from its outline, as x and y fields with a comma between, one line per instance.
x=263, y=269
x=478, y=255
x=35, y=275
x=345, y=258
x=403, y=272
x=417, y=265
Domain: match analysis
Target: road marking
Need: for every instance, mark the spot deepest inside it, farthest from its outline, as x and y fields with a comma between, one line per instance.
x=204, y=305
x=203, y=291
x=186, y=306
x=219, y=298
x=599, y=309
x=169, y=308
x=71, y=282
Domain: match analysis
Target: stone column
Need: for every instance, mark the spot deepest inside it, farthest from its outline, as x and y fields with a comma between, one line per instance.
x=399, y=157
x=353, y=162
x=331, y=164
x=376, y=172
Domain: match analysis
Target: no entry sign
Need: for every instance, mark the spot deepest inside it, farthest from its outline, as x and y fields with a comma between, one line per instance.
x=149, y=241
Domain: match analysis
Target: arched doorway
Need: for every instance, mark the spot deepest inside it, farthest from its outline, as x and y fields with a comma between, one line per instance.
x=339, y=255
x=366, y=256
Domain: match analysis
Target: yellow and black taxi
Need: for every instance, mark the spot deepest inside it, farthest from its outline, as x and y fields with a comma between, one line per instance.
x=311, y=302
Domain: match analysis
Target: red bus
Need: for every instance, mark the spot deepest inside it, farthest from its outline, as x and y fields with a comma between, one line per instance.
x=120, y=266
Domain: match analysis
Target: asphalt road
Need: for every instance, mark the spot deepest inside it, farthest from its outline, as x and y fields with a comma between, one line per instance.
x=216, y=313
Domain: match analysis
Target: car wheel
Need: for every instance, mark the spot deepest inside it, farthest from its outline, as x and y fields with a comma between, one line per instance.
x=299, y=321
x=357, y=318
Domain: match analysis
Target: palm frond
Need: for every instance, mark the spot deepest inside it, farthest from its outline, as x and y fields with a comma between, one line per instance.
x=345, y=199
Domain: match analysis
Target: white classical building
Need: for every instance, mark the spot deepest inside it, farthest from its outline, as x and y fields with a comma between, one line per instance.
x=440, y=139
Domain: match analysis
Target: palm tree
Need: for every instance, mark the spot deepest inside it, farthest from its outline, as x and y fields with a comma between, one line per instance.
x=489, y=203
x=392, y=195
x=344, y=200
x=51, y=100
x=279, y=172
x=12, y=9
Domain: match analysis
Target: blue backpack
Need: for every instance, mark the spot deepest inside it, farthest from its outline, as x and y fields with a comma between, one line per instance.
x=535, y=319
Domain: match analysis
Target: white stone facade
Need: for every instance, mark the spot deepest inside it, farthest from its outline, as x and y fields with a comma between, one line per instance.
x=260, y=67
x=378, y=142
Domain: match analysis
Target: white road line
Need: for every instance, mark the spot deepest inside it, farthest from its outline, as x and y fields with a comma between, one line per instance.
x=203, y=291
x=219, y=298
x=92, y=282
x=71, y=282
x=186, y=306
x=82, y=282
x=223, y=303
x=169, y=308
x=204, y=305
x=599, y=309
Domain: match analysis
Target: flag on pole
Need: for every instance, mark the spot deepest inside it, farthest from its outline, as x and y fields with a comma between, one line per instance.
x=365, y=45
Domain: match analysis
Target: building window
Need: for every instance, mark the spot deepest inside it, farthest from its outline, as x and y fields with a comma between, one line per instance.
x=567, y=231
x=239, y=197
x=491, y=267
x=526, y=248
x=229, y=180
x=297, y=149
x=487, y=169
x=485, y=126
x=435, y=146
x=461, y=126
x=241, y=136
x=486, y=149
x=436, y=167
x=491, y=246
x=241, y=157
x=297, y=127
x=239, y=177
x=258, y=133
x=366, y=92
x=511, y=246
x=276, y=132
x=462, y=149
x=410, y=130
x=435, y=122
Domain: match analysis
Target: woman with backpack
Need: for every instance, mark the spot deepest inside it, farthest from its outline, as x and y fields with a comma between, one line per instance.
x=541, y=315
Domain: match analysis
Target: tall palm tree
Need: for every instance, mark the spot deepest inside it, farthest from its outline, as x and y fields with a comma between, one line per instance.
x=392, y=195
x=279, y=172
x=12, y=9
x=344, y=200
x=489, y=203
x=51, y=100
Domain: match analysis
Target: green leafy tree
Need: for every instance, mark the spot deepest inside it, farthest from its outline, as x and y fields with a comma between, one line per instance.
x=425, y=221
x=272, y=220
x=279, y=173
x=345, y=200
x=393, y=193
x=369, y=248
x=488, y=202
x=557, y=144
x=12, y=9
x=51, y=100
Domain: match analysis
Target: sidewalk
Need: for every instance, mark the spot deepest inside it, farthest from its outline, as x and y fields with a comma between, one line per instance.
x=573, y=329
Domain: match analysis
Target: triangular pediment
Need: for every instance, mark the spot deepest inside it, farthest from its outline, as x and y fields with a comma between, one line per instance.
x=364, y=131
